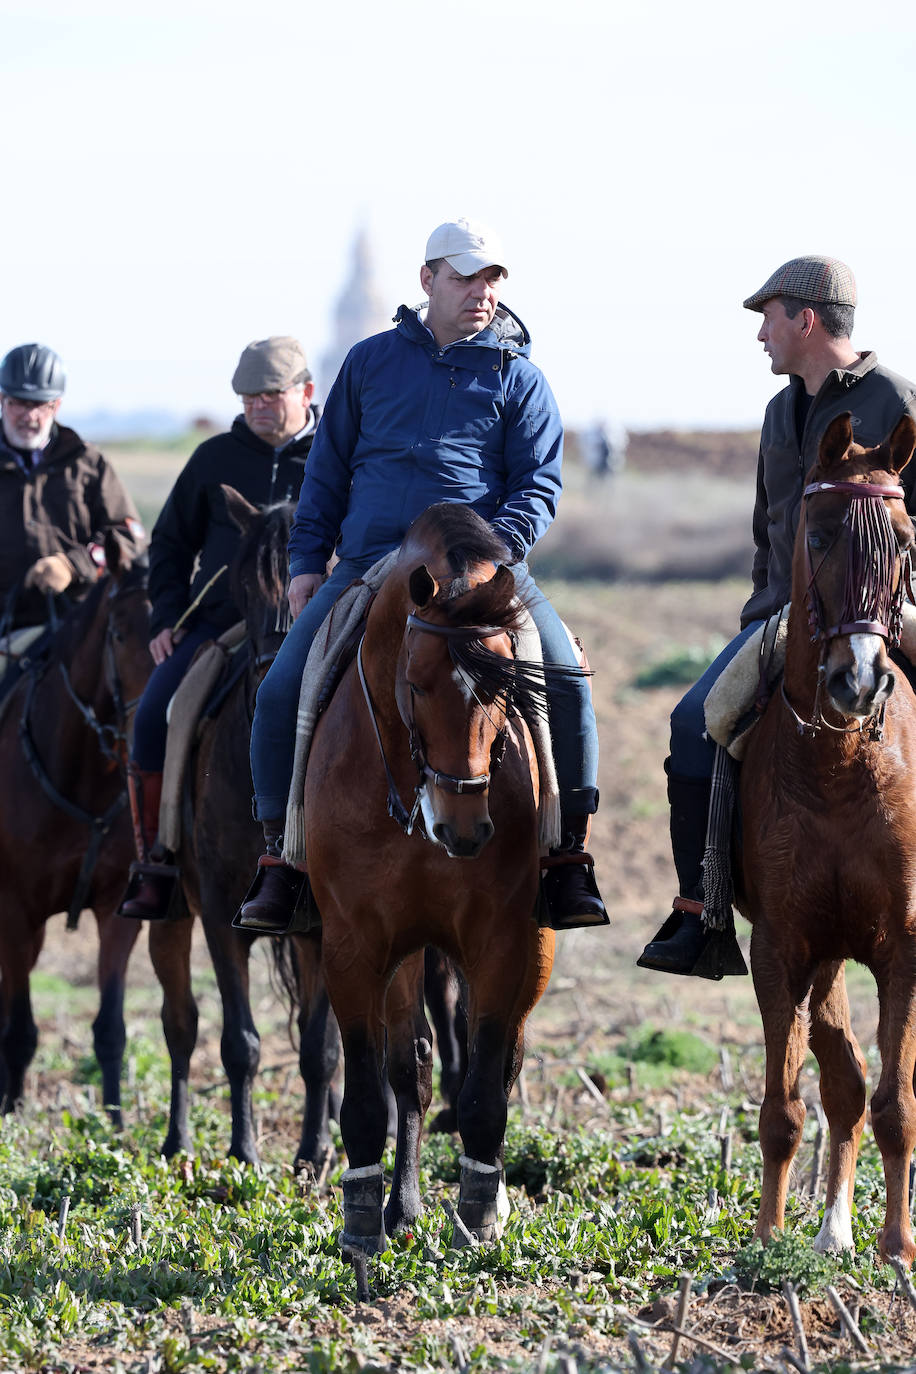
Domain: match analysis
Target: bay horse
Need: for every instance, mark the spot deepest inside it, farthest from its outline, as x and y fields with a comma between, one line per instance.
x=432, y=709
x=829, y=836
x=220, y=848
x=65, y=831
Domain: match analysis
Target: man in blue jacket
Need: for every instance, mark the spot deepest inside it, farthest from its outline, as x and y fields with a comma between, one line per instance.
x=445, y=407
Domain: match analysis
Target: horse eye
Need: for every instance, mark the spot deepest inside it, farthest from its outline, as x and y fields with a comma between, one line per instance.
x=817, y=541
x=416, y=691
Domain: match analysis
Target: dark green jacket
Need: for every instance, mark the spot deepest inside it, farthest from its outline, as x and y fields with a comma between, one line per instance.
x=66, y=504
x=877, y=399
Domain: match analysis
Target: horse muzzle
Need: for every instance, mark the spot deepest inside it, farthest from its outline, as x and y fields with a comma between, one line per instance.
x=861, y=686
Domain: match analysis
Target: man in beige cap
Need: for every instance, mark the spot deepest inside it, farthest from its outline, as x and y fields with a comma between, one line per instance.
x=447, y=406
x=262, y=456
x=807, y=306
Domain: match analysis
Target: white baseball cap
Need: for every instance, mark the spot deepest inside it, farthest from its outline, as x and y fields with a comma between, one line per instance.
x=466, y=246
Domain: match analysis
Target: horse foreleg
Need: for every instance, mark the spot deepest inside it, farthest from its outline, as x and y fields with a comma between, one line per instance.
x=357, y=991
x=170, y=952
x=319, y=1051
x=782, y=996
x=410, y=1073
x=893, y=1106
x=18, y=1032
x=842, y=1067
x=442, y=990
x=240, y=1043
x=117, y=938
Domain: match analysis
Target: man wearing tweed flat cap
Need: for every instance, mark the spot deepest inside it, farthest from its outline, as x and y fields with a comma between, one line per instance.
x=807, y=306
x=194, y=540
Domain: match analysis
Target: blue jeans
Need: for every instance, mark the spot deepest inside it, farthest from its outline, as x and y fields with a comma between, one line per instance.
x=691, y=752
x=150, y=726
x=273, y=731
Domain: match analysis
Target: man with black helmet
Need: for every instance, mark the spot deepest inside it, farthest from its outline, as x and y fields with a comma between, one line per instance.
x=58, y=496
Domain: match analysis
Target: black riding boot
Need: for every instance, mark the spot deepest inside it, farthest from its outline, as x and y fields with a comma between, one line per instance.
x=683, y=944
x=570, y=889
x=274, y=894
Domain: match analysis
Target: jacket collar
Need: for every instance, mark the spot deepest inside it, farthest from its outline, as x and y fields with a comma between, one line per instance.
x=296, y=448
x=506, y=332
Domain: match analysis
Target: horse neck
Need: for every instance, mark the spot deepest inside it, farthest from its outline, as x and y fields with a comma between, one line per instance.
x=381, y=647
x=82, y=650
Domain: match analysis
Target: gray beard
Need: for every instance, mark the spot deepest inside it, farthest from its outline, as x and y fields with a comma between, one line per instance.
x=30, y=442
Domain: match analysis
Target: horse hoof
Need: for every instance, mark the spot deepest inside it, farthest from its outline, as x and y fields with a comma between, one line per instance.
x=364, y=1226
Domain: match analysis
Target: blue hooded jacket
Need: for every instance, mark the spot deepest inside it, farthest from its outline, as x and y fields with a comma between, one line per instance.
x=408, y=423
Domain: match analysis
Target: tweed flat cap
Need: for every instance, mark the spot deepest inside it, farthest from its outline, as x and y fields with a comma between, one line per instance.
x=269, y=365
x=812, y=278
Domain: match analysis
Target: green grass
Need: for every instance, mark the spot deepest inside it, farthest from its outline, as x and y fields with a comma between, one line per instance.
x=680, y=666
x=239, y=1268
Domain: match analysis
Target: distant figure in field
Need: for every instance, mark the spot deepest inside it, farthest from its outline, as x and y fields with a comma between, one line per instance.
x=193, y=542
x=58, y=495
x=808, y=306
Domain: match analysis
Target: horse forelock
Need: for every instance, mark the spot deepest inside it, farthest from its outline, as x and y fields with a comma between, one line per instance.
x=263, y=551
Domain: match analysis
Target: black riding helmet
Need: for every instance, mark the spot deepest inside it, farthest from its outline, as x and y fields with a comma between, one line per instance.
x=32, y=372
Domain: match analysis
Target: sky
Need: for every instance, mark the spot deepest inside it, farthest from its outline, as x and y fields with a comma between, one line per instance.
x=181, y=178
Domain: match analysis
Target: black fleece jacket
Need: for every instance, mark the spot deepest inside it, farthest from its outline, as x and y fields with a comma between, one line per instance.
x=194, y=535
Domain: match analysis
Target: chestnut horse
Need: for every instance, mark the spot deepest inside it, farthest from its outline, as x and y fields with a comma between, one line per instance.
x=829, y=814
x=220, y=848
x=65, y=832
x=430, y=710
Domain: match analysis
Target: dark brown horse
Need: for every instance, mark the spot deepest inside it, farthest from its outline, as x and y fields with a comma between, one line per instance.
x=829, y=809
x=220, y=849
x=429, y=712
x=65, y=833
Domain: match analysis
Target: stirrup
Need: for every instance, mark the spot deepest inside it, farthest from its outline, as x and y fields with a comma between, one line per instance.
x=305, y=914
x=585, y=921
x=166, y=878
x=716, y=955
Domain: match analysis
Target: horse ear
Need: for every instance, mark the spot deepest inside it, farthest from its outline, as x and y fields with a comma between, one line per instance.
x=901, y=442
x=422, y=586
x=502, y=578
x=241, y=512
x=115, y=561
x=836, y=440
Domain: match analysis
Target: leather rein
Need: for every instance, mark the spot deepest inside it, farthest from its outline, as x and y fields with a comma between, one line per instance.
x=874, y=609
x=413, y=819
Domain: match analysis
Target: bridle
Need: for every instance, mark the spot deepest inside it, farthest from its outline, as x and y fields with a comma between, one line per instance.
x=873, y=591
x=448, y=782
x=112, y=740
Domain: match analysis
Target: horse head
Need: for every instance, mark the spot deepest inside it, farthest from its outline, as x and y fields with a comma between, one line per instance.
x=852, y=563
x=258, y=575
x=455, y=671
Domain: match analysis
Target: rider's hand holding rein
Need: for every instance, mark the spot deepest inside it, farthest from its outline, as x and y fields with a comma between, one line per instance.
x=301, y=591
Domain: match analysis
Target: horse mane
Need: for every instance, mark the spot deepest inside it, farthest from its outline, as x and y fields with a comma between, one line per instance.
x=76, y=623
x=466, y=540
x=264, y=545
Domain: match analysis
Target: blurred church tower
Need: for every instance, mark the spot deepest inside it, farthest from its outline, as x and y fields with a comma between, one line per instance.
x=358, y=312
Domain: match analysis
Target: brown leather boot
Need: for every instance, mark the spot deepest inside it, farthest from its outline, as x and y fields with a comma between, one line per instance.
x=152, y=878
x=572, y=895
x=270, y=906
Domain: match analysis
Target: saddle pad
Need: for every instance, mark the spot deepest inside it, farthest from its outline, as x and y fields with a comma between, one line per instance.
x=729, y=704
x=184, y=712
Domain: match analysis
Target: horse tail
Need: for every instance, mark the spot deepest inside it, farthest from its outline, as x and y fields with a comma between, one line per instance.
x=284, y=980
